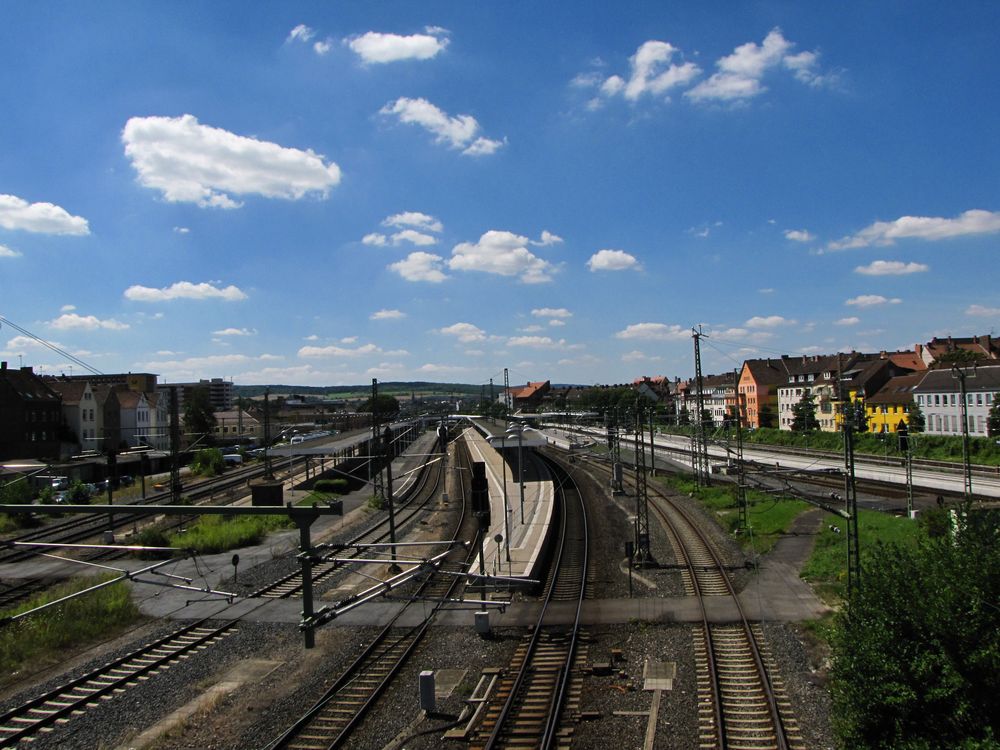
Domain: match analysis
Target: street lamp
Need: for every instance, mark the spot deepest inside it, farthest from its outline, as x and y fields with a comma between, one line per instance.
x=518, y=429
x=506, y=511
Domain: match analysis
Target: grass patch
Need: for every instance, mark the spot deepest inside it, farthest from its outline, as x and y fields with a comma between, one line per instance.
x=826, y=569
x=211, y=534
x=769, y=517
x=45, y=638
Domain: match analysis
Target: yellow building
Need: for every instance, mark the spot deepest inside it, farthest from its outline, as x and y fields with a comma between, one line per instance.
x=891, y=404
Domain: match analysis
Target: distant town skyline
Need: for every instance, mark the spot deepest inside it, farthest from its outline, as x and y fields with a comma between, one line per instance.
x=309, y=195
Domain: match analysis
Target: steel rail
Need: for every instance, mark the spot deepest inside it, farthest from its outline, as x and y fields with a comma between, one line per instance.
x=380, y=647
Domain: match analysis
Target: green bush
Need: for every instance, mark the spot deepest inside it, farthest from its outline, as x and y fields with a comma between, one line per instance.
x=208, y=462
x=42, y=638
x=211, y=534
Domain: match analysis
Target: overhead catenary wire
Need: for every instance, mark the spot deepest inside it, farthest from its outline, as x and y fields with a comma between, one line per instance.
x=61, y=352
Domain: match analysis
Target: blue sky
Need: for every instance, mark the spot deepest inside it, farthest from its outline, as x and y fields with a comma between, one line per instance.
x=323, y=193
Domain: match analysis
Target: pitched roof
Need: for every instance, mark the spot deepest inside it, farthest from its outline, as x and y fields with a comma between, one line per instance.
x=898, y=390
x=27, y=385
x=70, y=390
x=767, y=371
x=978, y=379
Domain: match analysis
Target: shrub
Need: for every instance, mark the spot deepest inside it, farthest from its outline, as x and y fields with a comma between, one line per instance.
x=208, y=462
x=333, y=486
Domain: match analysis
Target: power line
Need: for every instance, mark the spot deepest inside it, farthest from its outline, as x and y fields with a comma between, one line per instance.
x=50, y=345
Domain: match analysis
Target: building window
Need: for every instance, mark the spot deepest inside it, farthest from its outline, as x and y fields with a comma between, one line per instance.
x=979, y=399
x=937, y=399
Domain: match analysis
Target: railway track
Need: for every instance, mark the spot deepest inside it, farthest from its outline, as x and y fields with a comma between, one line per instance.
x=334, y=717
x=424, y=489
x=62, y=704
x=741, y=698
x=537, y=698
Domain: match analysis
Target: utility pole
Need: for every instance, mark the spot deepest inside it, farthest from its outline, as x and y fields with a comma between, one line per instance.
x=961, y=375
x=374, y=470
x=506, y=392
x=175, y=447
x=743, y=516
x=849, y=417
x=702, y=470
x=615, y=450
x=268, y=474
x=642, y=552
x=387, y=449
x=906, y=449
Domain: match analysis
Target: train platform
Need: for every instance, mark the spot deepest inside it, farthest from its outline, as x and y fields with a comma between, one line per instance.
x=519, y=527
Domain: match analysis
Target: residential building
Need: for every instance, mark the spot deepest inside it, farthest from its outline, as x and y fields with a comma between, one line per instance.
x=136, y=421
x=758, y=388
x=718, y=397
x=80, y=412
x=30, y=415
x=220, y=393
x=888, y=409
x=527, y=397
x=108, y=423
x=981, y=347
x=939, y=396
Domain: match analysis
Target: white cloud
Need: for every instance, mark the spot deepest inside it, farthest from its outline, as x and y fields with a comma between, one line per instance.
x=541, y=342
x=338, y=351
x=374, y=239
x=870, y=300
x=770, y=321
x=639, y=356
x=67, y=308
x=458, y=132
x=349, y=340
x=414, y=237
x=852, y=321
x=323, y=46
x=557, y=323
x=311, y=337
x=420, y=266
x=891, y=268
x=193, y=163
x=502, y=253
x=654, y=332
x=547, y=238
x=740, y=74
x=414, y=219
x=300, y=33
x=182, y=230
x=235, y=332
x=799, y=235
x=6, y=252
x=465, y=332
x=983, y=312
x=531, y=329
x=72, y=321
x=41, y=218
x=184, y=290
x=971, y=222
x=652, y=72
x=387, y=315
x=612, y=260
x=551, y=312
x=374, y=47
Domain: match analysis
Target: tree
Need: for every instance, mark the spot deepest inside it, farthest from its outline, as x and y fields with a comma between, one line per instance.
x=684, y=418
x=804, y=414
x=386, y=407
x=208, y=462
x=917, y=421
x=765, y=416
x=199, y=417
x=916, y=654
x=993, y=420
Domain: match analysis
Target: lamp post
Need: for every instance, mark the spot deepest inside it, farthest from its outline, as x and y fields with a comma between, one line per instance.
x=506, y=510
x=518, y=429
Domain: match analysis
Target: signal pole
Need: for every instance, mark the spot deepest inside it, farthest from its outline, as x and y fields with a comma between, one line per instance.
x=642, y=551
